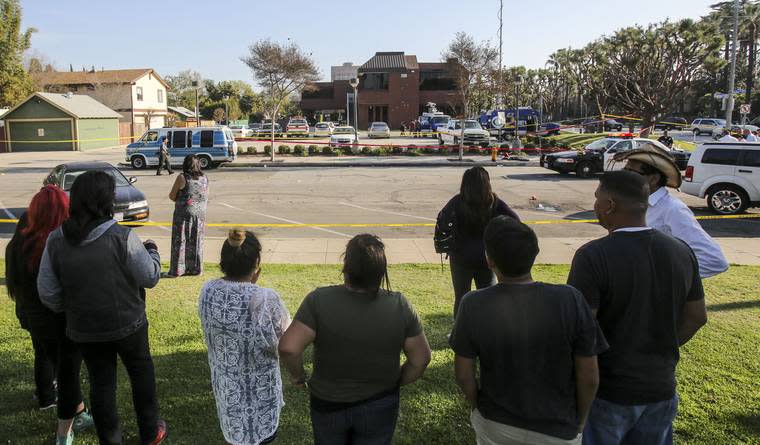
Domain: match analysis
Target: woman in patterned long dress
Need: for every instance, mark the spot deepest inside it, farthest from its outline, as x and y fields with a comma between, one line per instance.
x=190, y=196
x=242, y=325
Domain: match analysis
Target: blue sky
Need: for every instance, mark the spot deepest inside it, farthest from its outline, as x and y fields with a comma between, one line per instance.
x=210, y=37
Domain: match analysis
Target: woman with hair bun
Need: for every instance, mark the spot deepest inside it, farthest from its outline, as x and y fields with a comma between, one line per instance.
x=242, y=325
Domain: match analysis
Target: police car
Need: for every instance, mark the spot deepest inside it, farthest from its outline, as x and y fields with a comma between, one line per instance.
x=597, y=156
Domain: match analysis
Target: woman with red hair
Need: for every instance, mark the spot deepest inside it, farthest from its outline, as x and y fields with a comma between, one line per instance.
x=55, y=356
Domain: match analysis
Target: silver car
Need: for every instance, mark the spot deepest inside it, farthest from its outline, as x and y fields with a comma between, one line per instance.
x=379, y=130
x=709, y=126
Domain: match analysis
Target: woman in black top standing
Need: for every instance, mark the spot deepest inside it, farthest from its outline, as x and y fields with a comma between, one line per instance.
x=471, y=210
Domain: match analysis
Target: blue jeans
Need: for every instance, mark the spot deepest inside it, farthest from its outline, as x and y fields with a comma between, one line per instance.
x=370, y=423
x=612, y=424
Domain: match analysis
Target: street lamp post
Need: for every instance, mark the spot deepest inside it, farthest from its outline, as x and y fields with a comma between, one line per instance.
x=354, y=82
x=196, y=85
x=518, y=82
x=227, y=110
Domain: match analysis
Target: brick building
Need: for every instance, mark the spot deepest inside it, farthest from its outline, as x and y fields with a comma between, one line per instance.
x=393, y=88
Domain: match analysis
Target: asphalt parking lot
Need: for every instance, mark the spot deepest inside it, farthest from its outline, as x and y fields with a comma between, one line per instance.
x=404, y=196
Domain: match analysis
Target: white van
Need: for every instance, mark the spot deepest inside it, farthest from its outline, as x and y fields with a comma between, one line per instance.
x=727, y=173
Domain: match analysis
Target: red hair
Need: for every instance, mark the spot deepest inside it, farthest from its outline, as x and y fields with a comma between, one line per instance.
x=47, y=211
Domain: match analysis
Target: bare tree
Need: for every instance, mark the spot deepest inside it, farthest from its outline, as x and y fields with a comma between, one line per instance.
x=219, y=115
x=280, y=70
x=470, y=63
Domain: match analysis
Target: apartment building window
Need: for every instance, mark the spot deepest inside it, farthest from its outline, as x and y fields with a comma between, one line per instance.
x=139, y=93
x=375, y=81
x=160, y=96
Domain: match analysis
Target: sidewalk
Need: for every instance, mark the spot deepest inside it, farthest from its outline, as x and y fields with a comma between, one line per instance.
x=744, y=251
x=247, y=161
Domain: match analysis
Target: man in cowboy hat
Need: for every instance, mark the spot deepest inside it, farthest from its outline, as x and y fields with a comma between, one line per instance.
x=669, y=214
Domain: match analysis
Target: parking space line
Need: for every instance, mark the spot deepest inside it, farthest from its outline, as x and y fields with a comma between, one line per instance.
x=7, y=212
x=285, y=220
x=386, y=211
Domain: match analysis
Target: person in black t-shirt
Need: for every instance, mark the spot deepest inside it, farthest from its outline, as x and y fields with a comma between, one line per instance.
x=645, y=290
x=536, y=344
x=472, y=208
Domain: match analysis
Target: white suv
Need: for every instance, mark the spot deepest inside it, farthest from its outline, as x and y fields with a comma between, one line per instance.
x=710, y=126
x=727, y=173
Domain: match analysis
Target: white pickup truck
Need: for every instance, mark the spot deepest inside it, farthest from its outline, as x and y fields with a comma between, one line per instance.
x=474, y=134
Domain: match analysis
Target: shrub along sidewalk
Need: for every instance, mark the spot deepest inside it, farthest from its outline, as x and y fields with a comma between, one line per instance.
x=719, y=373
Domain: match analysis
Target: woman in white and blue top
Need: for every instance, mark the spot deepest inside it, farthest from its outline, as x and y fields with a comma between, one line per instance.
x=242, y=325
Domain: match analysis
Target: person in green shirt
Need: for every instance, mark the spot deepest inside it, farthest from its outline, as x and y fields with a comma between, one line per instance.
x=358, y=330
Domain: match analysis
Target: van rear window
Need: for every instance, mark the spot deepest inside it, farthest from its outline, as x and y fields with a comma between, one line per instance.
x=751, y=158
x=207, y=138
x=721, y=156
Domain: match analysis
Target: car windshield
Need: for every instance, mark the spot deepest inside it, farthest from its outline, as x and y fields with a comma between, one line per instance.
x=298, y=122
x=601, y=144
x=471, y=124
x=70, y=176
x=379, y=126
x=440, y=119
x=720, y=121
x=344, y=130
x=322, y=126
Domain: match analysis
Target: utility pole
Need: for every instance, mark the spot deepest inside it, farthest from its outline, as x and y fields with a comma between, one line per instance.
x=732, y=74
x=196, y=84
x=500, y=92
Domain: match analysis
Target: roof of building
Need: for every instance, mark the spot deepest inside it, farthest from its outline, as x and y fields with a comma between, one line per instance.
x=76, y=105
x=389, y=61
x=3, y=111
x=94, y=77
x=183, y=111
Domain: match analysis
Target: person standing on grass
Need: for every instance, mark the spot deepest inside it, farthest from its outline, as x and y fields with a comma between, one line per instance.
x=468, y=213
x=95, y=272
x=164, y=160
x=358, y=330
x=242, y=325
x=190, y=196
x=644, y=289
x=536, y=343
x=669, y=214
x=56, y=358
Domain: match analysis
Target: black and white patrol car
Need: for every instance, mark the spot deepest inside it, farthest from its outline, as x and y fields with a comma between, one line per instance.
x=597, y=156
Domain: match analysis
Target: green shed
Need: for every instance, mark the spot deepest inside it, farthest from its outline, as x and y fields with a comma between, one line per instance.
x=61, y=122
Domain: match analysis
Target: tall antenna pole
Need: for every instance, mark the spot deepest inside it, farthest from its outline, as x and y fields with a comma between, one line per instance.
x=500, y=98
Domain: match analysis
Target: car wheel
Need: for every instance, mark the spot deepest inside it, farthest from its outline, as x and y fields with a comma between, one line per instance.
x=696, y=132
x=205, y=162
x=138, y=162
x=727, y=199
x=585, y=170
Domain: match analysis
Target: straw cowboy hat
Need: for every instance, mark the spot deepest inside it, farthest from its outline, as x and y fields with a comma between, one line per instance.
x=655, y=158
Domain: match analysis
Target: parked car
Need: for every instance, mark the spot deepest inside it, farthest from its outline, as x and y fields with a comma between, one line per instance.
x=595, y=125
x=322, y=129
x=671, y=123
x=342, y=136
x=550, y=129
x=212, y=145
x=129, y=203
x=297, y=126
x=727, y=174
x=379, y=130
x=255, y=127
x=241, y=131
x=709, y=126
x=597, y=156
x=266, y=130
x=474, y=134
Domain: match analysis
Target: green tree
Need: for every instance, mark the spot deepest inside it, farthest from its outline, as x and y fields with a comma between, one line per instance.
x=650, y=68
x=181, y=90
x=280, y=70
x=15, y=83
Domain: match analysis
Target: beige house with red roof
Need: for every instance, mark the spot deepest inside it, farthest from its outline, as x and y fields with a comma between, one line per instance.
x=138, y=95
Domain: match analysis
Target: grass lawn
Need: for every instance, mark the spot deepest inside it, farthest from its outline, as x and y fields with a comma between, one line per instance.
x=719, y=373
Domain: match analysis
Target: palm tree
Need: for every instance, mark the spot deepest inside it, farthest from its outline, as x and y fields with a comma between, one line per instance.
x=750, y=20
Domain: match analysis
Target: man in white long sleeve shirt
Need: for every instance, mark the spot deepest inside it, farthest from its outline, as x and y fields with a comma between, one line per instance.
x=669, y=214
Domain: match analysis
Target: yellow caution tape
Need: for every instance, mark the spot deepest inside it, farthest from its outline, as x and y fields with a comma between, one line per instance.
x=377, y=225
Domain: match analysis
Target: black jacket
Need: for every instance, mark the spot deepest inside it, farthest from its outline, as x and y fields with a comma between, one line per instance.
x=470, y=248
x=22, y=287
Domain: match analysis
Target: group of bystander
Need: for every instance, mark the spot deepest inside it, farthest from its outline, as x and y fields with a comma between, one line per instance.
x=591, y=362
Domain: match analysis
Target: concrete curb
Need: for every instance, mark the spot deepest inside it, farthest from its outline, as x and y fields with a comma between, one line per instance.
x=266, y=164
